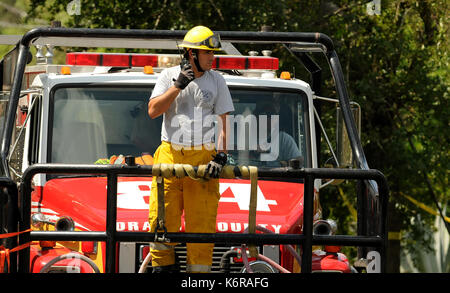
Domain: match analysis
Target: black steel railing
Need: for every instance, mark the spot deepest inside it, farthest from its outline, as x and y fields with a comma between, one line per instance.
x=111, y=236
x=9, y=217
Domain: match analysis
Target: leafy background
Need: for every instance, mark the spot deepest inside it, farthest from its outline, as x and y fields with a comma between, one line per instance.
x=396, y=65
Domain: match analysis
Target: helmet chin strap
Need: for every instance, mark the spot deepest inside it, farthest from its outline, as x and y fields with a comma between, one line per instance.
x=197, y=63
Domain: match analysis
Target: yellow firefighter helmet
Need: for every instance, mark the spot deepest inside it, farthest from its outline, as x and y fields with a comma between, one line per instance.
x=201, y=37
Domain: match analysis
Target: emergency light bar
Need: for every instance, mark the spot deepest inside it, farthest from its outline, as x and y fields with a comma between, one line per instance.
x=245, y=62
x=105, y=59
x=159, y=60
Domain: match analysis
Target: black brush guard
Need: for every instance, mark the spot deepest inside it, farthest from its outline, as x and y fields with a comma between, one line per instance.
x=372, y=195
x=111, y=236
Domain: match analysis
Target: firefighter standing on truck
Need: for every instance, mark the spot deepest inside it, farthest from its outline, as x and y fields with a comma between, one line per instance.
x=188, y=95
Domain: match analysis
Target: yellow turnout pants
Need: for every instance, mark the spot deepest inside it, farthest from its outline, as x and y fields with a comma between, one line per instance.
x=198, y=200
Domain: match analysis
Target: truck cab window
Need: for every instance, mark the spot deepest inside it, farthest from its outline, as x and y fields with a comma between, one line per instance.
x=35, y=126
x=267, y=127
x=97, y=122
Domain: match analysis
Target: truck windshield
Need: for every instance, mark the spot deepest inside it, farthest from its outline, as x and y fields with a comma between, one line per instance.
x=267, y=127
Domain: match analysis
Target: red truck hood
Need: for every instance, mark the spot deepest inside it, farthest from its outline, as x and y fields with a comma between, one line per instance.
x=280, y=204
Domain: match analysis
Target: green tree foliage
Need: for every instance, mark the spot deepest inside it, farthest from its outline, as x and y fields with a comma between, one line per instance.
x=11, y=21
x=396, y=65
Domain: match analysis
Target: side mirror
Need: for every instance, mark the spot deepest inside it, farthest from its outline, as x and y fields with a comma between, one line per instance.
x=344, y=152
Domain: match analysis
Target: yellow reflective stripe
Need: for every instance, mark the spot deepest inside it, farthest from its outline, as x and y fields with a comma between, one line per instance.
x=194, y=268
x=160, y=246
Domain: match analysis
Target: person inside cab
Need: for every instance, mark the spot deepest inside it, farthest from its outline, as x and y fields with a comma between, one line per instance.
x=279, y=147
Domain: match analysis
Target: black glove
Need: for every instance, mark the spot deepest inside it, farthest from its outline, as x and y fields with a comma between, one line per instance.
x=215, y=166
x=186, y=75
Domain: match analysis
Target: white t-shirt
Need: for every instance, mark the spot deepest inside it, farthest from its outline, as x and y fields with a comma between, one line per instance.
x=190, y=118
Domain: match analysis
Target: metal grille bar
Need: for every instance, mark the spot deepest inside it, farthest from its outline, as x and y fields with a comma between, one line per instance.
x=111, y=236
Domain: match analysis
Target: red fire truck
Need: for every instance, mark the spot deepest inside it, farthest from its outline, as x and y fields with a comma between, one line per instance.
x=77, y=164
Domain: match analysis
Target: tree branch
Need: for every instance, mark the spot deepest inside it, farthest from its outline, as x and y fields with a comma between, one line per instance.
x=423, y=170
x=344, y=8
x=160, y=14
x=430, y=29
x=217, y=10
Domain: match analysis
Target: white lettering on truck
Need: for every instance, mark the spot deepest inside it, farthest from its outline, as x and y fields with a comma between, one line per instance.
x=240, y=194
x=221, y=226
x=135, y=195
